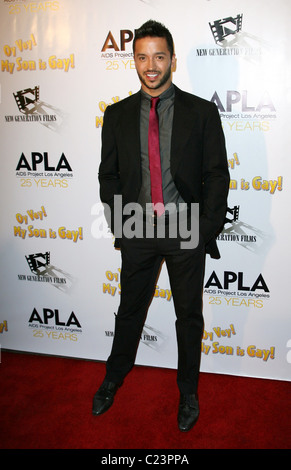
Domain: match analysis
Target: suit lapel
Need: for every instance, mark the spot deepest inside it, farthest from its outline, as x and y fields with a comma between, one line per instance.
x=130, y=128
x=182, y=127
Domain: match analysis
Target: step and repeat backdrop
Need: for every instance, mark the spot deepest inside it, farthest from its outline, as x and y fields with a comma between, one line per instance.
x=62, y=63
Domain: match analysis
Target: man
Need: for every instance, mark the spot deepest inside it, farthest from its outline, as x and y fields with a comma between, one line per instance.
x=193, y=169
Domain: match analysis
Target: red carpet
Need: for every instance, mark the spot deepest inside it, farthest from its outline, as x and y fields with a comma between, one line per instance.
x=46, y=404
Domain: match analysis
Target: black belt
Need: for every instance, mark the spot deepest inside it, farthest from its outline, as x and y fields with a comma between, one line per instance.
x=153, y=219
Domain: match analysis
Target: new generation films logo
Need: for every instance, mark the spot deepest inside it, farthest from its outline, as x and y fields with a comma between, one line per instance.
x=32, y=109
x=222, y=29
x=231, y=39
x=242, y=233
x=42, y=271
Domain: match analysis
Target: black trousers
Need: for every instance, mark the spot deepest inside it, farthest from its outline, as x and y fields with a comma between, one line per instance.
x=141, y=262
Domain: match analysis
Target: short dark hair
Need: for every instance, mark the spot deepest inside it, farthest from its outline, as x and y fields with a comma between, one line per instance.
x=154, y=29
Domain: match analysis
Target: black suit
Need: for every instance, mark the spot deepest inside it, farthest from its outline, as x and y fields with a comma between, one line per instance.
x=200, y=172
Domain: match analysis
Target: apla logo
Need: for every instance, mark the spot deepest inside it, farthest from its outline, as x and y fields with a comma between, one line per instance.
x=116, y=48
x=49, y=316
x=38, y=158
x=236, y=280
x=241, y=100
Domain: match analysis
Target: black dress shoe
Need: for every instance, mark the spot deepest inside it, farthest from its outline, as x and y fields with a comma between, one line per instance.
x=188, y=412
x=104, y=397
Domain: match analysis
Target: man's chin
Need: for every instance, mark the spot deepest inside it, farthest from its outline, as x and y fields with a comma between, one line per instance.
x=152, y=85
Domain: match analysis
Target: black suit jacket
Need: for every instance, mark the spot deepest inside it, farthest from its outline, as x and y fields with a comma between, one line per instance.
x=198, y=158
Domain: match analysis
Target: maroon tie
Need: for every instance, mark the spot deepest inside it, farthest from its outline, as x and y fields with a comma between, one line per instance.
x=155, y=159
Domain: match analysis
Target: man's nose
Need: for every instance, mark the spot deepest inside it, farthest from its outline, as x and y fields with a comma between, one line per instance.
x=151, y=63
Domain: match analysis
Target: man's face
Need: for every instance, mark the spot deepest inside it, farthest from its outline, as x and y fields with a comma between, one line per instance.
x=153, y=64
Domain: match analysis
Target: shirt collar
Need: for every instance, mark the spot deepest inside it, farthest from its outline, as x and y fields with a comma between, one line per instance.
x=168, y=93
